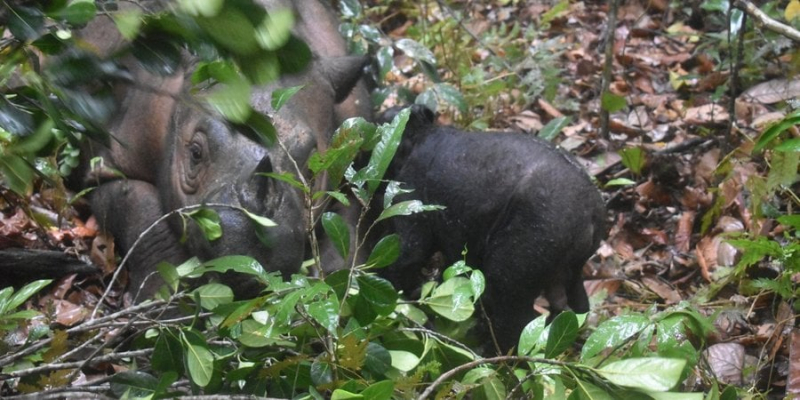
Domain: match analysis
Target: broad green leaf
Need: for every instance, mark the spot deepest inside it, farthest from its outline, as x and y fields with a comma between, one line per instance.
x=32, y=144
x=378, y=292
x=458, y=268
x=451, y=95
x=287, y=177
x=199, y=359
x=775, y=130
x=613, y=333
x=589, y=391
x=404, y=360
x=378, y=359
x=553, y=128
x=381, y=390
x=261, y=68
x=24, y=294
x=205, y=8
x=133, y=384
x=350, y=8
x=77, y=12
x=157, y=55
x=407, y=207
x=14, y=120
x=563, y=332
x=341, y=394
x=385, y=57
x=276, y=29
x=416, y=51
x=128, y=22
x=390, y=136
x=241, y=264
x=232, y=30
x=789, y=145
x=214, y=294
x=612, y=103
x=449, y=307
x=675, y=396
x=167, y=353
x=534, y=337
x=5, y=296
x=263, y=221
x=326, y=313
x=232, y=101
x=17, y=172
x=282, y=96
x=392, y=190
x=478, y=283
x=633, y=158
x=651, y=374
x=321, y=372
x=208, y=221
x=25, y=314
x=337, y=232
x=783, y=171
x=25, y=23
x=385, y=252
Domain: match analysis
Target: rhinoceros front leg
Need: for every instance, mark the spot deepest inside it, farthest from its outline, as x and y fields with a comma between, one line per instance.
x=126, y=208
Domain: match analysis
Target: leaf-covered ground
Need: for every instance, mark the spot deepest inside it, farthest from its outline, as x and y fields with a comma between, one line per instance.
x=677, y=168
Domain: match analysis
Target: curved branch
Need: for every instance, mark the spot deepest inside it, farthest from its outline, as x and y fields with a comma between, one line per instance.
x=763, y=20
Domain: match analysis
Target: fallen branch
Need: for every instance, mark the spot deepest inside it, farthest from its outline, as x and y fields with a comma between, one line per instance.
x=763, y=20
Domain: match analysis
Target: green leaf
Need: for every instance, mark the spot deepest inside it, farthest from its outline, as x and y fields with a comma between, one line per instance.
x=378, y=292
x=199, y=359
x=341, y=394
x=77, y=12
x=326, y=312
x=14, y=120
x=18, y=173
x=416, y=51
x=232, y=30
x=24, y=294
x=205, y=8
x=592, y=392
x=379, y=390
x=133, y=384
x=534, y=337
x=404, y=360
x=242, y=264
x=167, y=353
x=282, y=96
x=232, y=101
x=612, y=103
x=783, y=171
x=620, y=182
x=350, y=8
x=385, y=252
x=25, y=23
x=612, y=333
x=263, y=221
x=287, y=177
x=775, y=130
x=563, y=332
x=214, y=294
x=128, y=22
x=553, y=128
x=276, y=29
x=651, y=374
x=451, y=95
x=450, y=307
x=208, y=221
x=407, y=207
x=338, y=232
x=390, y=136
x=321, y=372
x=157, y=55
x=378, y=359
x=633, y=158
x=789, y=145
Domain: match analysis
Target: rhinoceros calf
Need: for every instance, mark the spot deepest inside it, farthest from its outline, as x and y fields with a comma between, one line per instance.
x=175, y=154
x=527, y=214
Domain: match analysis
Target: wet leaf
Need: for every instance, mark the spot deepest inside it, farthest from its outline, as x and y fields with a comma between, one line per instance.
x=378, y=292
x=563, y=332
x=652, y=374
x=415, y=50
x=407, y=207
x=613, y=333
x=385, y=252
x=338, y=232
x=326, y=313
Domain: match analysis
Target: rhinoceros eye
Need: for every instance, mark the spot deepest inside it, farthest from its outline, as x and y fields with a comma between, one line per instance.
x=194, y=162
x=196, y=152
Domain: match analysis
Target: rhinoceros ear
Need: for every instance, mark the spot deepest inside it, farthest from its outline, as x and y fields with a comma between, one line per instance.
x=343, y=73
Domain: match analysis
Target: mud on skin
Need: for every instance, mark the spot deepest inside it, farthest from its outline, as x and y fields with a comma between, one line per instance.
x=526, y=212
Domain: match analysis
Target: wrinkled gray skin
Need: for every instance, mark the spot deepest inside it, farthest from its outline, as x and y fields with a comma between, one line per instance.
x=526, y=212
x=174, y=154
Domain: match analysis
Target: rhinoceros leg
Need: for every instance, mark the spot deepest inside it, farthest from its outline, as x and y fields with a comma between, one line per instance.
x=126, y=208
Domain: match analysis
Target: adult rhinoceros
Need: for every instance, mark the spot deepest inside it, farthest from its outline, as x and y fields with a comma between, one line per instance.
x=175, y=154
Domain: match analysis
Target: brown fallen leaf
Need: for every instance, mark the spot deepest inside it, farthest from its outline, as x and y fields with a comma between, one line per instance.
x=683, y=234
x=726, y=361
x=705, y=115
x=793, y=380
x=662, y=289
x=773, y=91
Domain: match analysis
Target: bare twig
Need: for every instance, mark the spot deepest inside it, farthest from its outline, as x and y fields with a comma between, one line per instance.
x=76, y=364
x=608, y=65
x=764, y=21
x=493, y=360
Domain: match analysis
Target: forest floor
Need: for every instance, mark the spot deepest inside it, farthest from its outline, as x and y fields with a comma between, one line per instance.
x=677, y=169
